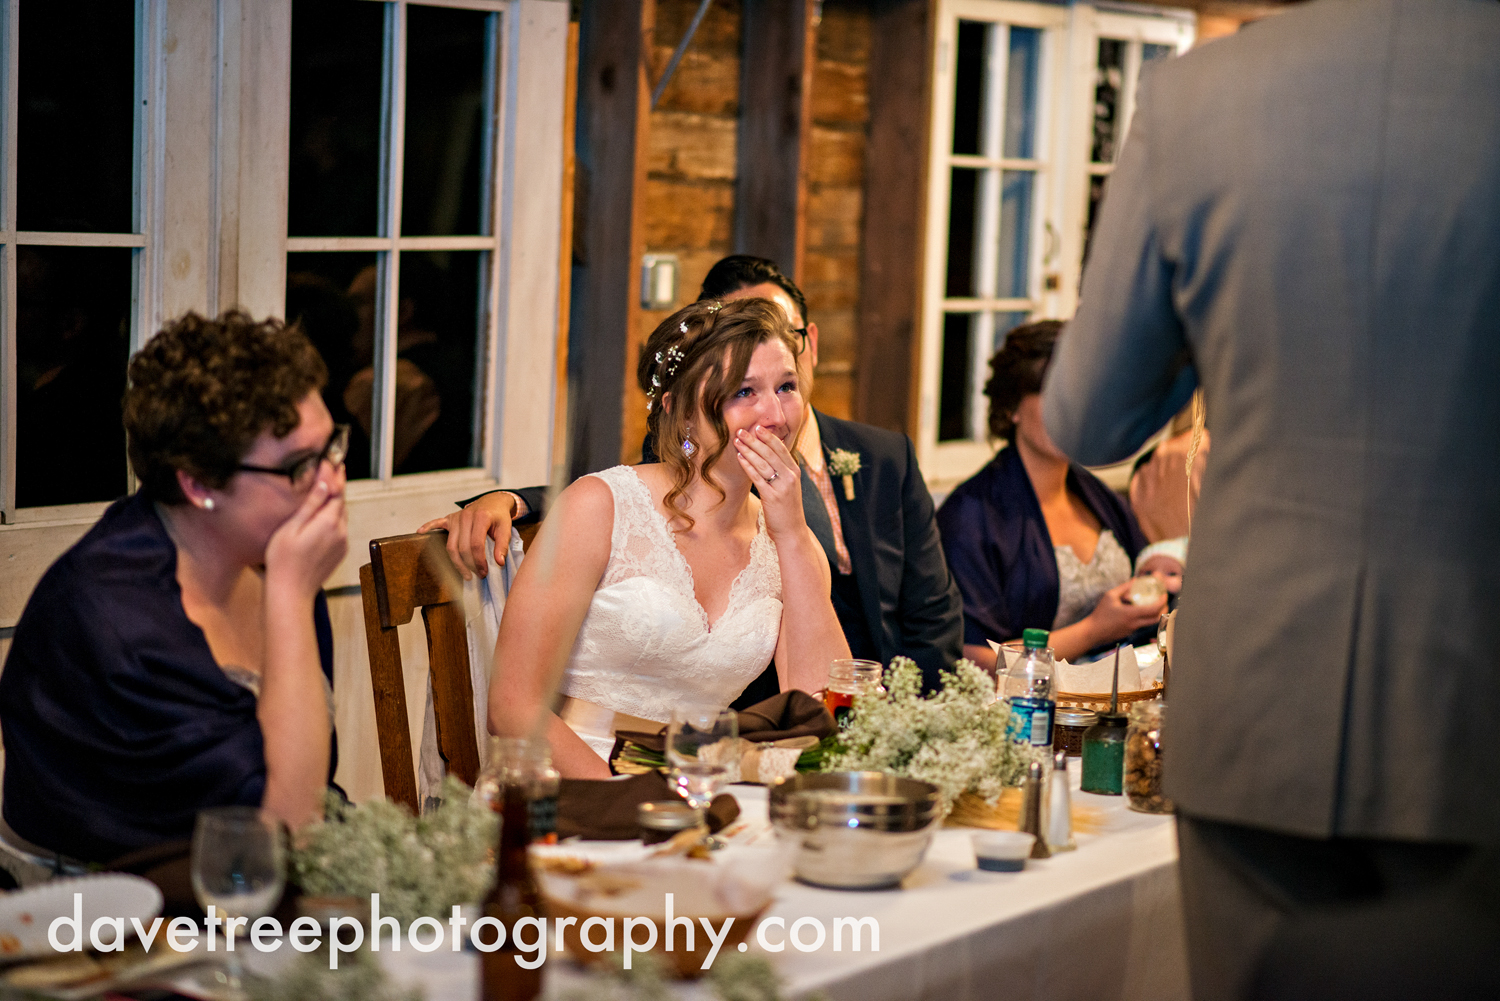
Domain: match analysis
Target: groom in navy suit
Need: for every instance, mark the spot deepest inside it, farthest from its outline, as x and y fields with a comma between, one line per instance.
x=891, y=586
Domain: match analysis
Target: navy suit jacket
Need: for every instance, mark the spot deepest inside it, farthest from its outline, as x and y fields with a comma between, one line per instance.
x=911, y=601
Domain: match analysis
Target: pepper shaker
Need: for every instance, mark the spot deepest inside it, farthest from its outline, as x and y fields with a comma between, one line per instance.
x=1032, y=809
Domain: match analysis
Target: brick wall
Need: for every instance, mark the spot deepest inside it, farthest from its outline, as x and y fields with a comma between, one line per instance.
x=688, y=202
x=688, y=206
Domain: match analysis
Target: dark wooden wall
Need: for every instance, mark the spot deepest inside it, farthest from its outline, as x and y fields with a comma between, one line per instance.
x=613, y=100
x=759, y=145
x=891, y=239
x=776, y=65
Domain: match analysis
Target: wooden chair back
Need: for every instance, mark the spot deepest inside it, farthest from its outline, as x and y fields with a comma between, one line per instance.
x=407, y=572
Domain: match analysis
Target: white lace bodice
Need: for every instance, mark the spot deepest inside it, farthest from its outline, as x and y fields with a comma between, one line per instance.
x=1080, y=585
x=645, y=644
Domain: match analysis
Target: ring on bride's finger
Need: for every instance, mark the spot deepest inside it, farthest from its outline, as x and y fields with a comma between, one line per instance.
x=773, y=477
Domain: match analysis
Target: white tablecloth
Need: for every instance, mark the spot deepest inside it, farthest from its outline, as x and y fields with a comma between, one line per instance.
x=1102, y=923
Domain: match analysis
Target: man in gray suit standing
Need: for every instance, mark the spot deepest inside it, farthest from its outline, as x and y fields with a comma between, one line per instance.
x=1305, y=221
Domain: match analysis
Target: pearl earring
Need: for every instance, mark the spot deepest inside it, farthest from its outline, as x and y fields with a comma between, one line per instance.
x=208, y=503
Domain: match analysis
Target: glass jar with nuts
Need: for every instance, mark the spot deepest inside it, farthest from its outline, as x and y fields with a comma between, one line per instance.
x=1143, y=759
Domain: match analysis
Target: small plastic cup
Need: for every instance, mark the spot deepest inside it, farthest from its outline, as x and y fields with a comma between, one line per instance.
x=1002, y=851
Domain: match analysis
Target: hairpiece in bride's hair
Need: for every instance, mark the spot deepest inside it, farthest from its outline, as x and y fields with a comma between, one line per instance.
x=668, y=359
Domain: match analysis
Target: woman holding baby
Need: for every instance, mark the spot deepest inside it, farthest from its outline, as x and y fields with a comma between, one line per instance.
x=1034, y=540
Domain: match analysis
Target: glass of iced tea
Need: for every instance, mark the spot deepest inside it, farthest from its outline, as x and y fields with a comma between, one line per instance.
x=847, y=679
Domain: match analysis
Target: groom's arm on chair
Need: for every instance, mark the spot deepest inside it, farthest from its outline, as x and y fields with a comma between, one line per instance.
x=532, y=506
x=489, y=515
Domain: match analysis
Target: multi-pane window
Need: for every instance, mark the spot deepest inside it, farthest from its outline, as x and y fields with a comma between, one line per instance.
x=1116, y=73
x=73, y=247
x=994, y=167
x=392, y=252
x=1031, y=102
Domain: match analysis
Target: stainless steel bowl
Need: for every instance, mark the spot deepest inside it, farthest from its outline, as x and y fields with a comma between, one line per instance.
x=855, y=830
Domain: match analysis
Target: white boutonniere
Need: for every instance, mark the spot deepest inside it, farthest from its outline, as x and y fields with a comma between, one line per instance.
x=842, y=462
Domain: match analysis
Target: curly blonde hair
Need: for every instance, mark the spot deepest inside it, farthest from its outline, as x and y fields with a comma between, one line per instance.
x=698, y=356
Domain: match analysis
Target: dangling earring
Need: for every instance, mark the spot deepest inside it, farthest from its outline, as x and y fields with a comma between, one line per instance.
x=208, y=503
x=688, y=448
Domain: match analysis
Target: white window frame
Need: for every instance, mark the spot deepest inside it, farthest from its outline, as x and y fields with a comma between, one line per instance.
x=215, y=235
x=1060, y=216
x=1135, y=25
x=517, y=373
x=389, y=245
x=148, y=18
x=950, y=461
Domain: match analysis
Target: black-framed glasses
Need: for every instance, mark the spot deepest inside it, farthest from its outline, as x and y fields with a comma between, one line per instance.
x=304, y=470
x=802, y=333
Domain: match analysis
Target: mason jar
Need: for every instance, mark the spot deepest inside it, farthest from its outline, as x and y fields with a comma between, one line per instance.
x=1143, y=759
x=848, y=679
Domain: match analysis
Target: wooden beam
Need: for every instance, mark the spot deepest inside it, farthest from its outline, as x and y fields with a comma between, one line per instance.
x=613, y=114
x=560, y=411
x=778, y=40
x=890, y=283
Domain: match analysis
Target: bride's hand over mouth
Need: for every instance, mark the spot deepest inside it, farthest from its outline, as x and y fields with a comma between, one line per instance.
x=776, y=476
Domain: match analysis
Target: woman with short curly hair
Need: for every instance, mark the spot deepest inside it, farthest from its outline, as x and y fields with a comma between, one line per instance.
x=179, y=656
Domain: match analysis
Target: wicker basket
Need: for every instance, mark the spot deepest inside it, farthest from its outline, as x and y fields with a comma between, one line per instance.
x=970, y=810
x=1099, y=702
x=1085, y=700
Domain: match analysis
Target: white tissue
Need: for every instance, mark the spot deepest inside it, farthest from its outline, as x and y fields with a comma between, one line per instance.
x=1095, y=677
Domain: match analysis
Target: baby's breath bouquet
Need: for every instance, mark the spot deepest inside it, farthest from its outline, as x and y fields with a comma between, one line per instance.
x=954, y=739
x=420, y=866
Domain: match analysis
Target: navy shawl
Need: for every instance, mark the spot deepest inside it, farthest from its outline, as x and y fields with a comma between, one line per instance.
x=1000, y=552
x=119, y=725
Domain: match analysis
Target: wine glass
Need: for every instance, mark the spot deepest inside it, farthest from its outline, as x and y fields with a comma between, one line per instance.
x=703, y=754
x=238, y=867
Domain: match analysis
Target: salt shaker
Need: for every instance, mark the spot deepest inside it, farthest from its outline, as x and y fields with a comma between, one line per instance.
x=1060, y=807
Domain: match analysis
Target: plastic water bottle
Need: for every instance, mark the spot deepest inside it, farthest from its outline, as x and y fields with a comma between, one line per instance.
x=1028, y=688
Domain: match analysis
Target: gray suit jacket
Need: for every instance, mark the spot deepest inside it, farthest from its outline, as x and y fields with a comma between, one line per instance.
x=1306, y=219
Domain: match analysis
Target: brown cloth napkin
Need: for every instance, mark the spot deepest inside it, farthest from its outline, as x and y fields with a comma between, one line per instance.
x=605, y=809
x=787, y=714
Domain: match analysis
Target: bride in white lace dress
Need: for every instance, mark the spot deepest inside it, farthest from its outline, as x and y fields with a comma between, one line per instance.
x=672, y=583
